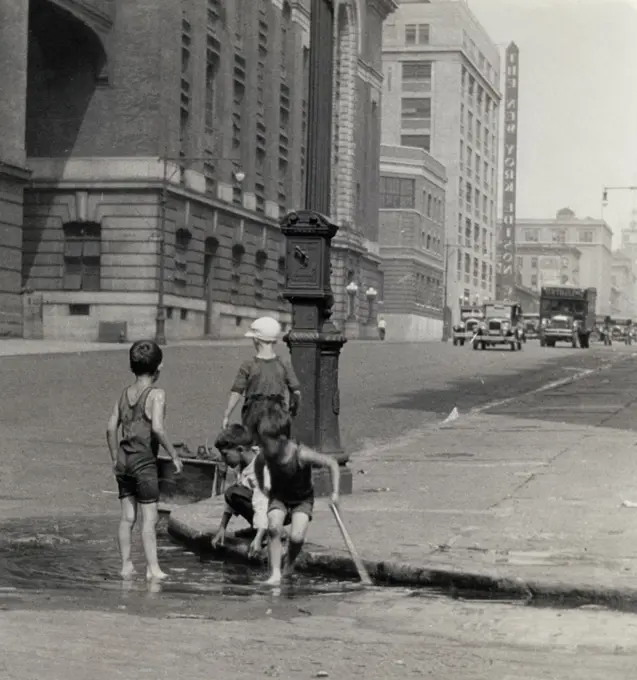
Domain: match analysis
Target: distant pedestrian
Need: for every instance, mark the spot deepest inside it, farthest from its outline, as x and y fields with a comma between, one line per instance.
x=140, y=413
x=244, y=498
x=263, y=379
x=382, y=327
x=291, y=493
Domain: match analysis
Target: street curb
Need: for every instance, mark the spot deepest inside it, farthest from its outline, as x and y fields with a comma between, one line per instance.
x=387, y=573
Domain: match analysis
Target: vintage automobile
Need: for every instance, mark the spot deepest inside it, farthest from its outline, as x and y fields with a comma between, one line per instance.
x=501, y=326
x=470, y=318
x=621, y=331
x=531, y=326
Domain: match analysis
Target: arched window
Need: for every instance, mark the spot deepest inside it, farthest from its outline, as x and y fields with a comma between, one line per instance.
x=82, y=256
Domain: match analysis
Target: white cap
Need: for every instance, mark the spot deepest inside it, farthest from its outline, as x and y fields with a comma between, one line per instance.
x=266, y=329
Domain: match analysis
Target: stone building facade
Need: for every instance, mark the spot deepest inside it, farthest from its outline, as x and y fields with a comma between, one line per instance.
x=182, y=121
x=584, y=246
x=412, y=243
x=442, y=94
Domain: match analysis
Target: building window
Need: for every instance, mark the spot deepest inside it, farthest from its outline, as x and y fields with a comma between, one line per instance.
x=411, y=31
x=82, y=255
x=532, y=235
x=467, y=263
x=534, y=263
x=586, y=236
x=428, y=246
x=417, y=76
x=559, y=236
x=79, y=310
x=424, y=33
x=209, y=172
x=209, y=109
x=397, y=192
x=459, y=263
x=417, y=141
x=534, y=280
x=238, y=99
x=180, y=275
x=416, y=113
x=186, y=96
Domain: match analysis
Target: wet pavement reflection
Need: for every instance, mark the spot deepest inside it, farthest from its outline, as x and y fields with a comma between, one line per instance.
x=74, y=563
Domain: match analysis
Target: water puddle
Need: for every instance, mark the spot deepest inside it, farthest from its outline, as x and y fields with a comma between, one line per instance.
x=74, y=563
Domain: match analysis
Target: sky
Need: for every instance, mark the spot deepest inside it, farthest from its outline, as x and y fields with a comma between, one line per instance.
x=577, y=102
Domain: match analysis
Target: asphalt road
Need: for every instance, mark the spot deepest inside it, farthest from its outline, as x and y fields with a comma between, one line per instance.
x=376, y=636
x=55, y=459
x=55, y=464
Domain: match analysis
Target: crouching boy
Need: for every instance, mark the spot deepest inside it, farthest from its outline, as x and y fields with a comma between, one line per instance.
x=285, y=467
x=245, y=497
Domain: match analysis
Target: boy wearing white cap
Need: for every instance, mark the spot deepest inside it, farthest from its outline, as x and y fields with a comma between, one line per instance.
x=263, y=379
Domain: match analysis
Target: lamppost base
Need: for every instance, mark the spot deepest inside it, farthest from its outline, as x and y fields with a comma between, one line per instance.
x=160, y=333
x=352, y=329
x=323, y=482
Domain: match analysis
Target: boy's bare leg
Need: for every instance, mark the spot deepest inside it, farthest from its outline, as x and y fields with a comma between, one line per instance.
x=300, y=523
x=150, y=515
x=124, y=535
x=275, y=527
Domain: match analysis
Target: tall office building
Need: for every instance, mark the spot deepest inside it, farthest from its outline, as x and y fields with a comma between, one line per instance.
x=442, y=94
x=176, y=122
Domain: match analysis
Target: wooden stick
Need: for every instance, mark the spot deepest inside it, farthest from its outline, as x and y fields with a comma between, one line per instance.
x=360, y=567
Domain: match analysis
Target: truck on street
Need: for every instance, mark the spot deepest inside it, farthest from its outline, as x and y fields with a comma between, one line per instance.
x=567, y=314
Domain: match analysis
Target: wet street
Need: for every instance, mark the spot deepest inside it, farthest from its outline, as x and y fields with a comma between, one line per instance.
x=65, y=614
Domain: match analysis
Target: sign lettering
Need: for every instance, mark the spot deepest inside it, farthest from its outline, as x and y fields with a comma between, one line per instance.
x=506, y=240
x=568, y=293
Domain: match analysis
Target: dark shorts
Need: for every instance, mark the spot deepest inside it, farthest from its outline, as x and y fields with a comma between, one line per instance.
x=141, y=484
x=291, y=508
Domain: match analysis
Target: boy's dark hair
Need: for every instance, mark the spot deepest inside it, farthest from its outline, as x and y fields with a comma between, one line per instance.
x=233, y=437
x=274, y=422
x=145, y=357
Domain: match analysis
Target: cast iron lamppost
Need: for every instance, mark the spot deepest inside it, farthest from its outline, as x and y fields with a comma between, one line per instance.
x=351, y=289
x=314, y=341
x=160, y=319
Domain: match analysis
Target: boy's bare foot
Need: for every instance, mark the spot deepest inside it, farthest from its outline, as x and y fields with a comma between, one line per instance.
x=155, y=574
x=128, y=570
x=274, y=580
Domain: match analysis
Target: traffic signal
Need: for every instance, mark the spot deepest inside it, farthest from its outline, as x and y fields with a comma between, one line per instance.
x=605, y=197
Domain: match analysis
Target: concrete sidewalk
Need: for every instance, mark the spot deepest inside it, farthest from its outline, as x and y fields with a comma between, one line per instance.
x=485, y=503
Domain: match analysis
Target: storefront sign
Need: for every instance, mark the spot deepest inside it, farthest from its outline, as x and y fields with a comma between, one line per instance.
x=506, y=241
x=568, y=293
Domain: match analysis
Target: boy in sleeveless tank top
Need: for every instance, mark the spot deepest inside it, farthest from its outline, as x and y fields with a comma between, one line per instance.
x=139, y=414
x=263, y=379
x=291, y=492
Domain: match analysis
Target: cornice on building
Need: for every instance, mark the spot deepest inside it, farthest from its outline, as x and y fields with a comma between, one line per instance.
x=368, y=74
x=382, y=7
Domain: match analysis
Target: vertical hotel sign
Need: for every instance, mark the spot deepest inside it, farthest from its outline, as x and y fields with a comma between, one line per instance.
x=506, y=251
